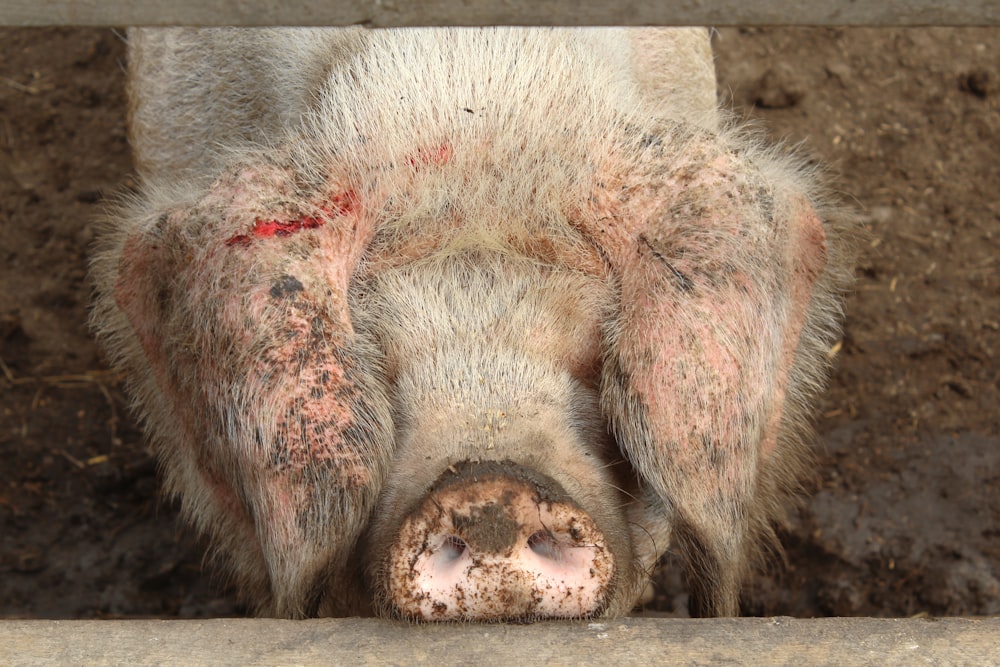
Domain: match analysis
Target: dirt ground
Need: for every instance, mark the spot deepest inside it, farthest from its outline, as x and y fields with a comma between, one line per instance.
x=904, y=516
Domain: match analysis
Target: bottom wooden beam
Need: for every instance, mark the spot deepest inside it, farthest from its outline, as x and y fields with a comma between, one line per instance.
x=745, y=641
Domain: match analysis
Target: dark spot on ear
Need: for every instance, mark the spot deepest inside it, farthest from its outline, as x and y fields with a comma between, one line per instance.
x=286, y=286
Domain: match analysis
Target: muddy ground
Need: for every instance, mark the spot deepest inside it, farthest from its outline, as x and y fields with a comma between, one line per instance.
x=904, y=516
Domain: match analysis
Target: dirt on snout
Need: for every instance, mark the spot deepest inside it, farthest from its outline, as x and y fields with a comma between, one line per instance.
x=904, y=513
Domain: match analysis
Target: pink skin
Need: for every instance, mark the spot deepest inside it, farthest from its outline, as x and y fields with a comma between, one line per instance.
x=550, y=560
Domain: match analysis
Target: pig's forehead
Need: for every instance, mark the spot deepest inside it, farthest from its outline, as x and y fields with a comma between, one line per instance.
x=598, y=135
x=508, y=165
x=477, y=175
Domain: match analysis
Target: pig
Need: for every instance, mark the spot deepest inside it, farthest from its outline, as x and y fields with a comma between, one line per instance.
x=466, y=324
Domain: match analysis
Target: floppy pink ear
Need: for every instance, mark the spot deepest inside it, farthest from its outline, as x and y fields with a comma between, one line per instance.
x=266, y=404
x=715, y=267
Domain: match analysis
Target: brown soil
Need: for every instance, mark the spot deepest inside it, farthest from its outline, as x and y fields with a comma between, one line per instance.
x=905, y=512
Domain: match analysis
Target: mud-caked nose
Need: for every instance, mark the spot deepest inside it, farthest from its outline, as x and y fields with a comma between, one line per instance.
x=495, y=547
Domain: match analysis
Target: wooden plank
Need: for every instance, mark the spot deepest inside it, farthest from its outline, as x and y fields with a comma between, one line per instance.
x=748, y=641
x=386, y=13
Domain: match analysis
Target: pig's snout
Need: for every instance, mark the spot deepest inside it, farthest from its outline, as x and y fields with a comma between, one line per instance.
x=495, y=547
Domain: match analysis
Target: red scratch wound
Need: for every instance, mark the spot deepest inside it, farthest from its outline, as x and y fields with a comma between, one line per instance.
x=439, y=155
x=341, y=204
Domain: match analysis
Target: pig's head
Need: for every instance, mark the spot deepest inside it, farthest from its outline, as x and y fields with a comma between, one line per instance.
x=454, y=395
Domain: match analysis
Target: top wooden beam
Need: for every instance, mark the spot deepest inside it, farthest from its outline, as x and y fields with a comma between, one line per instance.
x=390, y=13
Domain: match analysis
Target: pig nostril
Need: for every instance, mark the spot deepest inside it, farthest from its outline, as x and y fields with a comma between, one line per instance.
x=544, y=544
x=453, y=547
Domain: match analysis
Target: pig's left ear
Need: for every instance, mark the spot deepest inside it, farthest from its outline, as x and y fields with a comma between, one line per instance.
x=716, y=266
